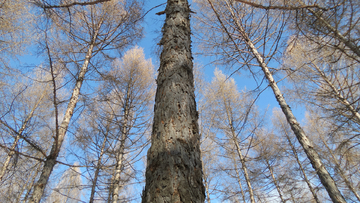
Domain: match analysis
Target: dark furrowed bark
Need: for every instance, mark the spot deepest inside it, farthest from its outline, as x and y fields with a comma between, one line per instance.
x=174, y=169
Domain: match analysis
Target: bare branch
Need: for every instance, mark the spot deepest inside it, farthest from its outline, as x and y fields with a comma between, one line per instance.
x=282, y=7
x=47, y=6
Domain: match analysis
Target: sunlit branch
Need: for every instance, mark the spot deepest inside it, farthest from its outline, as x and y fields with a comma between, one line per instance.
x=282, y=7
x=48, y=6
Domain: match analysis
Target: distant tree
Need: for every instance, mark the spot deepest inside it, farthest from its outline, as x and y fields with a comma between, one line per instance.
x=24, y=115
x=235, y=118
x=331, y=86
x=283, y=127
x=99, y=27
x=68, y=190
x=251, y=45
x=113, y=129
x=14, y=29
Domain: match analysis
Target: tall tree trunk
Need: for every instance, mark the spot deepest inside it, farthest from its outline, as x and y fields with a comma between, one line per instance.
x=307, y=145
x=274, y=180
x=238, y=149
x=207, y=187
x=238, y=177
x=98, y=166
x=174, y=169
x=61, y=132
x=120, y=152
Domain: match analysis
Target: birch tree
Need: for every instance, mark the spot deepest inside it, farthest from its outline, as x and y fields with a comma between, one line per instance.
x=280, y=123
x=132, y=85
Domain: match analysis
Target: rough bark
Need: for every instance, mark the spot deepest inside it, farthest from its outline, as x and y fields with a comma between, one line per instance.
x=60, y=135
x=324, y=176
x=174, y=169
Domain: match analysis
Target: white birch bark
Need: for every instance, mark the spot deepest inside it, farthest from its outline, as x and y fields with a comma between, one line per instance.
x=60, y=135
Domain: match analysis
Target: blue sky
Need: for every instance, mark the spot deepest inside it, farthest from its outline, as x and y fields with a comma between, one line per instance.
x=152, y=26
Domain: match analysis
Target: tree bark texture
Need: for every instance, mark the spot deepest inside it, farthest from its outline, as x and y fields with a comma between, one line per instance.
x=174, y=169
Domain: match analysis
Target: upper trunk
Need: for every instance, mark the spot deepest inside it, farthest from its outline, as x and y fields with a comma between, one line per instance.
x=174, y=170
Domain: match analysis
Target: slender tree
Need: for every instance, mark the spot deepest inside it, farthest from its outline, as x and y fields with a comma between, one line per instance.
x=232, y=118
x=174, y=169
x=99, y=27
x=280, y=122
x=23, y=112
x=232, y=25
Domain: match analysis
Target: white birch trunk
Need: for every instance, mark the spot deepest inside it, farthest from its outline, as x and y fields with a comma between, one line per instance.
x=238, y=149
x=121, y=151
x=60, y=136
